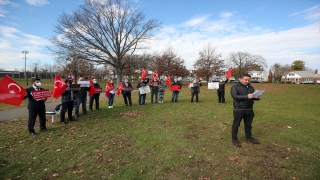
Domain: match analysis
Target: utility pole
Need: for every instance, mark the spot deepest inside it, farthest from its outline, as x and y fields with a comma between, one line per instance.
x=25, y=64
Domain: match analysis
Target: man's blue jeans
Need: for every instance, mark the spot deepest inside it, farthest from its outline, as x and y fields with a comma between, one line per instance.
x=82, y=101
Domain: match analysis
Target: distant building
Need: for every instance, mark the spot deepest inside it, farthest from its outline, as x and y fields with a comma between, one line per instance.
x=261, y=76
x=301, y=76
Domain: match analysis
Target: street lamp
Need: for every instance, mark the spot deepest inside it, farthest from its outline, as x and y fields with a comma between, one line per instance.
x=25, y=64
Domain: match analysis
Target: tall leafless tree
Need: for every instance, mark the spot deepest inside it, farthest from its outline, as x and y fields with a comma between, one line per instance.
x=242, y=62
x=35, y=68
x=280, y=70
x=208, y=62
x=103, y=32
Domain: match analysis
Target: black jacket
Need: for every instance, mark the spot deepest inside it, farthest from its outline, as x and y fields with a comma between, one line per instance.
x=239, y=93
x=32, y=103
x=82, y=93
x=126, y=89
x=222, y=84
x=96, y=85
x=143, y=83
x=66, y=96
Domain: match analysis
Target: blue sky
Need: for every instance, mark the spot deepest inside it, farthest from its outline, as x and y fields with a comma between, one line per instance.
x=281, y=31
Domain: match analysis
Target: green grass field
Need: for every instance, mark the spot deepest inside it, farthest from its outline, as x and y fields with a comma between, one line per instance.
x=180, y=140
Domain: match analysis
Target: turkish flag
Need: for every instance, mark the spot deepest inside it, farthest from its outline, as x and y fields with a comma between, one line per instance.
x=168, y=80
x=109, y=87
x=229, y=74
x=11, y=92
x=155, y=75
x=92, y=90
x=59, y=87
x=120, y=88
x=144, y=74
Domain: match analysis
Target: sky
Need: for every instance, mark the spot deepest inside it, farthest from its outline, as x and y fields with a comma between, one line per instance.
x=281, y=31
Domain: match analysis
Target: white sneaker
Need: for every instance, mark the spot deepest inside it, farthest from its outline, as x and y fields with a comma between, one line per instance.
x=109, y=107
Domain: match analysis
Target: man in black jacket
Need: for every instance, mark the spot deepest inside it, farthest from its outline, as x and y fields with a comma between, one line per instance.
x=81, y=98
x=36, y=108
x=242, y=94
x=220, y=91
x=126, y=92
x=67, y=99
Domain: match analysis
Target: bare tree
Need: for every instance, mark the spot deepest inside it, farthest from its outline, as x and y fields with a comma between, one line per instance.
x=103, y=32
x=49, y=69
x=35, y=68
x=208, y=62
x=77, y=66
x=242, y=62
x=280, y=70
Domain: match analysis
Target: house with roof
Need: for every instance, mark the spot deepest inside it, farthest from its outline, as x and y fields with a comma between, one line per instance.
x=301, y=76
x=260, y=76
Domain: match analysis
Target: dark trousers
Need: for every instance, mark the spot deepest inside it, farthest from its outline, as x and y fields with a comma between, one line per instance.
x=110, y=99
x=175, y=95
x=154, y=93
x=33, y=116
x=127, y=98
x=66, y=106
x=247, y=116
x=194, y=94
x=221, y=95
x=95, y=98
x=142, y=99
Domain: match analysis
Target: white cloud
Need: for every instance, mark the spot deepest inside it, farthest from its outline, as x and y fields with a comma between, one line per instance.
x=4, y=3
x=196, y=20
x=312, y=13
x=37, y=2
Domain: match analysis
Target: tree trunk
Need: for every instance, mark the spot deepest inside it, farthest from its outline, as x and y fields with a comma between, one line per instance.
x=119, y=76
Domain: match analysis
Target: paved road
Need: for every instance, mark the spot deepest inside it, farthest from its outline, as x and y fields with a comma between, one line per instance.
x=22, y=112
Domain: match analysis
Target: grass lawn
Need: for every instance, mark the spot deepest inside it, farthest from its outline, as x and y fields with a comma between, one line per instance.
x=180, y=140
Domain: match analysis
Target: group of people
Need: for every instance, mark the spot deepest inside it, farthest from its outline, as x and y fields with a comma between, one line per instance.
x=242, y=94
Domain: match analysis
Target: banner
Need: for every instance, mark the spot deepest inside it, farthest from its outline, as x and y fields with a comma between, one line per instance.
x=213, y=85
x=38, y=95
x=74, y=87
x=98, y=90
x=84, y=83
x=144, y=90
x=11, y=92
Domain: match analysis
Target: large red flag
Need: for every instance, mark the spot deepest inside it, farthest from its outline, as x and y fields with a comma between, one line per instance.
x=92, y=90
x=120, y=88
x=144, y=74
x=11, y=92
x=108, y=89
x=229, y=74
x=168, y=80
x=155, y=75
x=58, y=87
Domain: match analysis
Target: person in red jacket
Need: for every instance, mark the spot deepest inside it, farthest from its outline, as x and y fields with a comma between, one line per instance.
x=175, y=88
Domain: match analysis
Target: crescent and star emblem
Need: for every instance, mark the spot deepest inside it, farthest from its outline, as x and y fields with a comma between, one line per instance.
x=58, y=81
x=12, y=91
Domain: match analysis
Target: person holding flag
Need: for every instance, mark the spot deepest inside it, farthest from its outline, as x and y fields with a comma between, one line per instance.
x=221, y=90
x=110, y=91
x=67, y=100
x=154, y=87
x=126, y=89
x=36, y=108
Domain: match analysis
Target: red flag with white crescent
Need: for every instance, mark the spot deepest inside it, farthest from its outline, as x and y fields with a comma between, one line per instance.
x=59, y=87
x=168, y=80
x=11, y=92
x=92, y=90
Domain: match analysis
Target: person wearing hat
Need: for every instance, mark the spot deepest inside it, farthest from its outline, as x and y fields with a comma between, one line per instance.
x=36, y=107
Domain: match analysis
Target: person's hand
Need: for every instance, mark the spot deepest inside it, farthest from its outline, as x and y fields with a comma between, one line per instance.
x=250, y=96
x=260, y=97
x=44, y=99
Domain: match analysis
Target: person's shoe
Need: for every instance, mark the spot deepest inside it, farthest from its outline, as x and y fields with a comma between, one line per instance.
x=44, y=130
x=126, y=104
x=236, y=143
x=109, y=107
x=76, y=116
x=252, y=140
x=63, y=122
x=33, y=134
x=90, y=109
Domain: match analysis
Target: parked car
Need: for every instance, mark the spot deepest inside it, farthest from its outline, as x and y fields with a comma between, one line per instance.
x=307, y=82
x=255, y=81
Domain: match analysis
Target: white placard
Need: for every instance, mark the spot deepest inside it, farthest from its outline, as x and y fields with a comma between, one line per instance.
x=257, y=93
x=213, y=85
x=144, y=89
x=84, y=83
